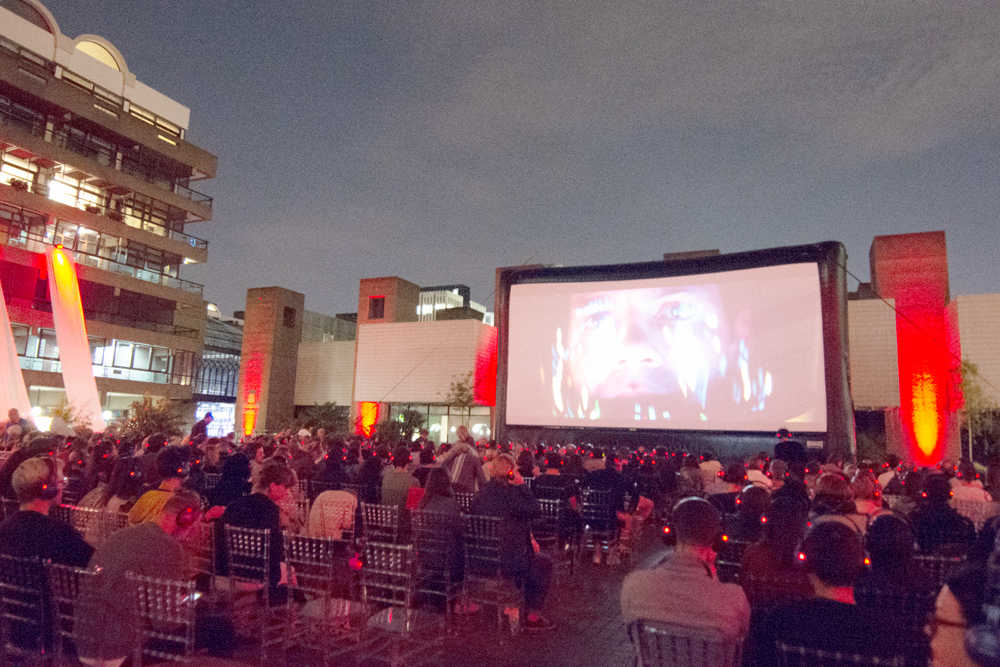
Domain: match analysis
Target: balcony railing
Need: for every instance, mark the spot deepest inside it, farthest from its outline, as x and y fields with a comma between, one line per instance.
x=37, y=243
x=107, y=101
x=55, y=366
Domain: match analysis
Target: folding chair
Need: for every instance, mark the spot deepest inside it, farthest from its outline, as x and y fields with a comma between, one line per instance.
x=380, y=523
x=68, y=587
x=799, y=656
x=248, y=553
x=323, y=609
x=551, y=532
x=212, y=480
x=464, y=501
x=485, y=582
x=165, y=618
x=730, y=559
x=600, y=521
x=439, y=558
x=664, y=645
x=937, y=566
x=25, y=621
x=337, y=511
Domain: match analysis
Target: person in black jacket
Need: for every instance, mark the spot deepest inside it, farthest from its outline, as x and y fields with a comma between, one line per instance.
x=513, y=503
x=260, y=510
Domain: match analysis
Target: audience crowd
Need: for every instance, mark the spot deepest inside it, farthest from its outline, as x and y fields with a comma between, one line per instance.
x=776, y=551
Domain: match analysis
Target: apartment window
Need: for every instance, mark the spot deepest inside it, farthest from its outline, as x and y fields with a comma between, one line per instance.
x=289, y=318
x=376, y=307
x=48, y=348
x=20, y=338
x=123, y=354
x=97, y=346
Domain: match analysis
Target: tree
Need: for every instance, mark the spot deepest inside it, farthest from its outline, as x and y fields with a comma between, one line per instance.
x=399, y=429
x=330, y=417
x=72, y=418
x=979, y=410
x=148, y=416
x=462, y=396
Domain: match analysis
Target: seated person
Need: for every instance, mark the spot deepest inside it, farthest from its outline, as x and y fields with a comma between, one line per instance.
x=937, y=525
x=442, y=551
x=517, y=508
x=171, y=469
x=396, y=482
x=895, y=584
x=831, y=621
x=426, y=465
x=260, y=510
x=960, y=605
x=684, y=589
x=751, y=503
x=332, y=514
x=30, y=532
x=966, y=485
x=151, y=548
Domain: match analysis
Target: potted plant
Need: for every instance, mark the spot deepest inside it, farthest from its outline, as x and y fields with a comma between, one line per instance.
x=90, y=208
x=18, y=184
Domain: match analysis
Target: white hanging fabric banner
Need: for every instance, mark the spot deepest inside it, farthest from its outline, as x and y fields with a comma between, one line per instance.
x=13, y=393
x=71, y=336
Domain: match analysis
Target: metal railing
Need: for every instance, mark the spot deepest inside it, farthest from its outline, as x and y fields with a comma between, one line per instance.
x=55, y=366
x=36, y=243
x=106, y=100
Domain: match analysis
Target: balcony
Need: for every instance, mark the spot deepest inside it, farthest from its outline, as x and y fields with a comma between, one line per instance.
x=55, y=366
x=88, y=146
x=20, y=238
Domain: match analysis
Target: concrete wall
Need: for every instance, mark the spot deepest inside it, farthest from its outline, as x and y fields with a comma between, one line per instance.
x=269, y=358
x=871, y=333
x=325, y=373
x=416, y=362
x=979, y=327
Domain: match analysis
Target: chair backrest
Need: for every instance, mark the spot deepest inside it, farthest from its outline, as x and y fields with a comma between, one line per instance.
x=730, y=559
x=249, y=552
x=665, y=645
x=338, y=512
x=9, y=507
x=766, y=592
x=800, y=656
x=212, y=480
x=387, y=574
x=165, y=614
x=433, y=541
x=68, y=587
x=937, y=566
x=482, y=545
x=976, y=511
x=315, y=560
x=380, y=523
x=595, y=506
x=23, y=605
x=86, y=520
x=464, y=500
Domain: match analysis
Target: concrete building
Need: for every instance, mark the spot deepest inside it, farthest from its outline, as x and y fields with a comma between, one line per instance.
x=93, y=159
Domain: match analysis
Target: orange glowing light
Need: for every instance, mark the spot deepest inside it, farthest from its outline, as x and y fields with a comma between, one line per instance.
x=925, y=413
x=367, y=417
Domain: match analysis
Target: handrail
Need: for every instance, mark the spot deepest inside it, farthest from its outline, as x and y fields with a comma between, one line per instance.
x=36, y=243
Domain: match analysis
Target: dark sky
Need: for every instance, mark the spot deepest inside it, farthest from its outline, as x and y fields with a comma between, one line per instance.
x=437, y=140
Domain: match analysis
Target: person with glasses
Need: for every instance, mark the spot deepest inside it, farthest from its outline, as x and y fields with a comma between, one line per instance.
x=959, y=605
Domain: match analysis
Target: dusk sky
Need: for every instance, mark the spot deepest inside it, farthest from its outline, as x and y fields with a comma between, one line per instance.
x=437, y=140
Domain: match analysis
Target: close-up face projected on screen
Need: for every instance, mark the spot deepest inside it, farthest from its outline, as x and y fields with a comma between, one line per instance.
x=739, y=350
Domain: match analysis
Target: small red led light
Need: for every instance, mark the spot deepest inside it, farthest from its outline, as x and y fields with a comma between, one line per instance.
x=802, y=556
x=725, y=538
x=868, y=561
x=666, y=529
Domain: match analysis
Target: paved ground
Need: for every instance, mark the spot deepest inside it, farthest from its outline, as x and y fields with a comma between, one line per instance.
x=589, y=630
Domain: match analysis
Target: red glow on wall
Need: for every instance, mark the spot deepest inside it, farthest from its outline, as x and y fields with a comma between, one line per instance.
x=367, y=417
x=912, y=269
x=485, y=390
x=251, y=394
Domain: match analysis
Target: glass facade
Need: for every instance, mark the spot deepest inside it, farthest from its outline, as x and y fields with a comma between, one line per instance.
x=124, y=360
x=442, y=420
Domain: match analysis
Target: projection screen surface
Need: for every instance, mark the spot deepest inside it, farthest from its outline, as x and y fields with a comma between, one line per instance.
x=730, y=351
